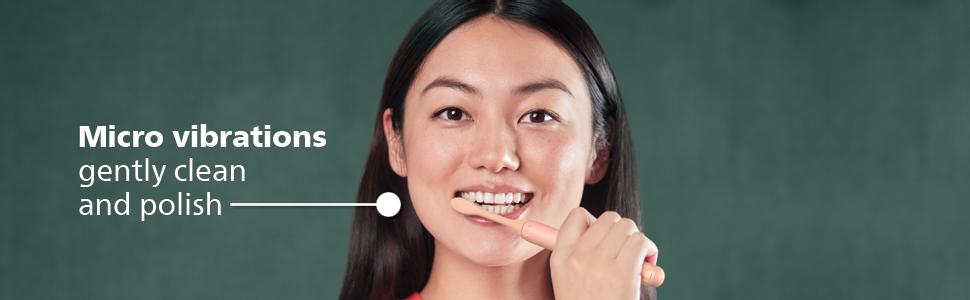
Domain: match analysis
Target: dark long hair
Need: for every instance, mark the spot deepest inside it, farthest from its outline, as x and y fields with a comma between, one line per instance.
x=391, y=258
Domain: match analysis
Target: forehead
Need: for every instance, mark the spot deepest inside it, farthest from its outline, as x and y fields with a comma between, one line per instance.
x=497, y=55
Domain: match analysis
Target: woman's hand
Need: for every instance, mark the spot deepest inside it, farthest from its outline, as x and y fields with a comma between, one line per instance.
x=602, y=258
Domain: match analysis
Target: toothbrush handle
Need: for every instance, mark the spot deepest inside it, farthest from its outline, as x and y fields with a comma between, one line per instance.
x=545, y=236
x=539, y=234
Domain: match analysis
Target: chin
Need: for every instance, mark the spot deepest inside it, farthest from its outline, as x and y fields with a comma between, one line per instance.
x=495, y=253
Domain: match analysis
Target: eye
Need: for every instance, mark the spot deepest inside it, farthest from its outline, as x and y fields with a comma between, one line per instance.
x=538, y=116
x=451, y=114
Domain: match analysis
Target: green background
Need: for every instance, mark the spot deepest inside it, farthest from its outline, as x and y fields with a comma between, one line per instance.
x=787, y=149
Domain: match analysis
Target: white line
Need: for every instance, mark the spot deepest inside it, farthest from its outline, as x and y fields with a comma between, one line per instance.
x=306, y=204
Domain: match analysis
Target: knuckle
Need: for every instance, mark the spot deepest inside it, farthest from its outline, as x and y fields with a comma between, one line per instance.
x=577, y=212
x=652, y=246
x=638, y=239
x=610, y=215
x=627, y=224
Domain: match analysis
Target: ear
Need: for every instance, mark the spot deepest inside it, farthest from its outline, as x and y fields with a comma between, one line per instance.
x=599, y=163
x=395, y=147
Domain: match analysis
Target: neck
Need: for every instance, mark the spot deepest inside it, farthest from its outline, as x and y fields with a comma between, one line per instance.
x=455, y=277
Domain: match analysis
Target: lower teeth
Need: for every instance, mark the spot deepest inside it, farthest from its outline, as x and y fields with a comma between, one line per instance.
x=499, y=209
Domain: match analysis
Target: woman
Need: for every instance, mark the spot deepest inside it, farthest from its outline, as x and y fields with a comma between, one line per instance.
x=512, y=105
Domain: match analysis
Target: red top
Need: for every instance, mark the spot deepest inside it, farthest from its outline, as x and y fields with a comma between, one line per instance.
x=414, y=296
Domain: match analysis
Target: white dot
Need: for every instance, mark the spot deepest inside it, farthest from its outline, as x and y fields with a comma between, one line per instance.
x=388, y=204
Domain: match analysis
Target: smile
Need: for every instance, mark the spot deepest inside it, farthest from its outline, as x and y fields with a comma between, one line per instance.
x=498, y=203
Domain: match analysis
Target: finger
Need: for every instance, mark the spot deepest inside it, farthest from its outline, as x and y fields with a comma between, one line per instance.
x=634, y=251
x=573, y=227
x=653, y=253
x=596, y=232
x=652, y=275
x=616, y=237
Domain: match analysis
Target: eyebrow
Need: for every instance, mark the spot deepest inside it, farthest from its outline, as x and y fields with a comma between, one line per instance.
x=529, y=88
x=547, y=83
x=452, y=83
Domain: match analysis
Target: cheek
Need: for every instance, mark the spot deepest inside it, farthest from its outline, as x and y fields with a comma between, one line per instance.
x=431, y=155
x=432, y=158
x=556, y=164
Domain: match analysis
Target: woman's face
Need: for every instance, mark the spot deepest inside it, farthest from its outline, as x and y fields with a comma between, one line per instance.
x=498, y=112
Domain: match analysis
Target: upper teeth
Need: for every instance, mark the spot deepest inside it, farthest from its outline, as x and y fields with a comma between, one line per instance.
x=492, y=198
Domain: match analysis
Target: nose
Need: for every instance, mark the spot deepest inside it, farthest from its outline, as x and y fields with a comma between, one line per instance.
x=493, y=148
